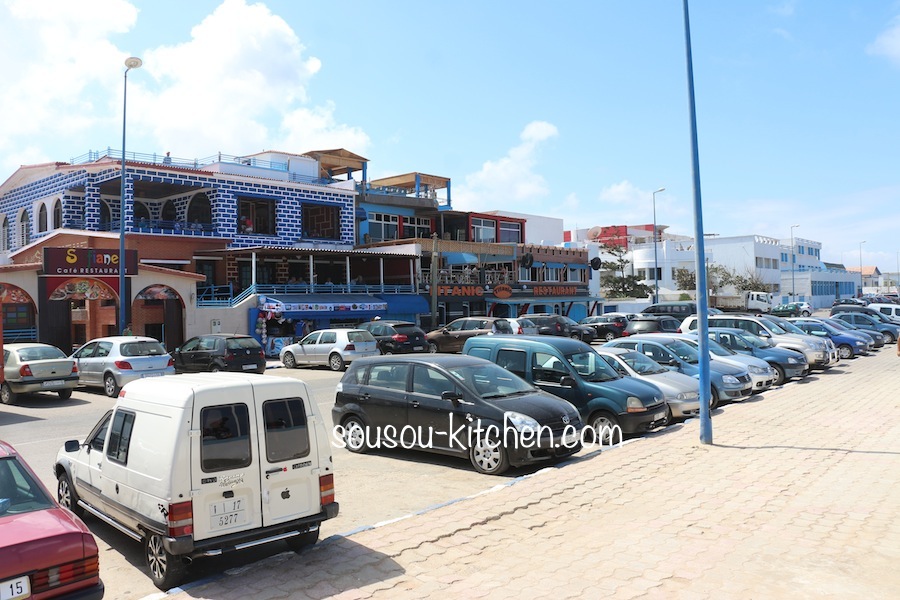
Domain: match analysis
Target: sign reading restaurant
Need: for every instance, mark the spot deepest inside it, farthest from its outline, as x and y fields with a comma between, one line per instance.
x=87, y=261
x=504, y=291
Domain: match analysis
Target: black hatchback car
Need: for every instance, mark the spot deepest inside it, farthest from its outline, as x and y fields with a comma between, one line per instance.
x=397, y=337
x=454, y=405
x=220, y=352
x=652, y=324
x=552, y=324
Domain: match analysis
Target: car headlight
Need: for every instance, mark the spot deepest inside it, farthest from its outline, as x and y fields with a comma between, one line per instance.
x=860, y=343
x=793, y=361
x=522, y=423
x=819, y=345
x=687, y=396
x=634, y=404
x=730, y=379
x=758, y=370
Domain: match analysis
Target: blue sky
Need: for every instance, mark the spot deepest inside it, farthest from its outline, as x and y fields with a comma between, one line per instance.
x=577, y=110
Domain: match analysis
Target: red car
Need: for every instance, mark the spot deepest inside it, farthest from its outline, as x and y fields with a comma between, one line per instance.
x=45, y=550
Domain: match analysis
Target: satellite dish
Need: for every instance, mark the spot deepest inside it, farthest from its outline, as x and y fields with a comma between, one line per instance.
x=596, y=263
x=593, y=233
x=528, y=260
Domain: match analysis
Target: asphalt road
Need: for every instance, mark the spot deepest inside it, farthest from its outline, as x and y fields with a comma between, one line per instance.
x=370, y=488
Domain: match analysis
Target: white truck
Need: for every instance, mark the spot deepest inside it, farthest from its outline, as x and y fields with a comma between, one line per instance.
x=745, y=301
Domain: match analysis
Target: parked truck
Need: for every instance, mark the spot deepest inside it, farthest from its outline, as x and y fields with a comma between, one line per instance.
x=746, y=301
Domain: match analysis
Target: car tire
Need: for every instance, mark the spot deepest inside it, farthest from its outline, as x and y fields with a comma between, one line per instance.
x=166, y=570
x=355, y=435
x=609, y=336
x=806, y=313
x=214, y=368
x=110, y=387
x=64, y=394
x=289, y=361
x=780, y=377
x=845, y=351
x=432, y=347
x=66, y=495
x=598, y=421
x=299, y=542
x=888, y=337
x=713, y=398
x=336, y=362
x=387, y=353
x=669, y=418
x=7, y=396
x=575, y=336
x=488, y=455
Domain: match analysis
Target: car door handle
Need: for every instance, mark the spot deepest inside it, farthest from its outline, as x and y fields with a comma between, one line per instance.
x=415, y=404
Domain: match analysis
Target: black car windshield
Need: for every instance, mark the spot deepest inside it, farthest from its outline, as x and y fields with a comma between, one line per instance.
x=642, y=364
x=683, y=351
x=591, y=367
x=490, y=381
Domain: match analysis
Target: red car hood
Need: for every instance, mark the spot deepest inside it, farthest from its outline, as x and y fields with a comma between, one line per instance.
x=41, y=539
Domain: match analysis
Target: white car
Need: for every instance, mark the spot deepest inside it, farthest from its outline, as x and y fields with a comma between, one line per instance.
x=523, y=326
x=805, y=309
x=332, y=347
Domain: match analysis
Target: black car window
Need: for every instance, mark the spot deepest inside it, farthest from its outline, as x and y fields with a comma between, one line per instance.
x=456, y=325
x=86, y=351
x=513, y=361
x=243, y=343
x=658, y=354
x=431, y=382
x=191, y=345
x=225, y=442
x=389, y=376
x=287, y=436
x=409, y=330
x=207, y=344
x=548, y=368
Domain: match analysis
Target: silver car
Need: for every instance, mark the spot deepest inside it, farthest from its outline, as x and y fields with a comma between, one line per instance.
x=332, y=347
x=111, y=362
x=35, y=367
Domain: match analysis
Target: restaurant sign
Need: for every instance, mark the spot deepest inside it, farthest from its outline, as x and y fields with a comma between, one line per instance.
x=87, y=261
x=274, y=305
x=555, y=290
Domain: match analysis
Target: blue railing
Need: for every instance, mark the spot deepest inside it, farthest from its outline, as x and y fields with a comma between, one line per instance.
x=221, y=295
x=27, y=334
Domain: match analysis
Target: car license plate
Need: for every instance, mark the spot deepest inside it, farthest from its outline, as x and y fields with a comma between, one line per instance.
x=15, y=589
x=151, y=374
x=53, y=383
x=659, y=416
x=569, y=438
x=227, y=514
x=417, y=348
x=249, y=367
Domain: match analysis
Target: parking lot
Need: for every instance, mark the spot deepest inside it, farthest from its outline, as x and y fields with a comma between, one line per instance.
x=828, y=415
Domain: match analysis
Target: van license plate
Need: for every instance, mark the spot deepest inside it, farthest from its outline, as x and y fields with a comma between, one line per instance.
x=15, y=589
x=227, y=514
x=54, y=383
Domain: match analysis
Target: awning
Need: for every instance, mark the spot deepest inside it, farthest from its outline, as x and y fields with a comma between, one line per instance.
x=406, y=304
x=333, y=305
x=361, y=214
x=576, y=266
x=460, y=258
x=553, y=265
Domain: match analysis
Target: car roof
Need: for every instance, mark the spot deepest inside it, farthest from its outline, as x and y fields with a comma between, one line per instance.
x=563, y=344
x=223, y=335
x=650, y=337
x=18, y=345
x=612, y=350
x=6, y=449
x=441, y=360
x=122, y=338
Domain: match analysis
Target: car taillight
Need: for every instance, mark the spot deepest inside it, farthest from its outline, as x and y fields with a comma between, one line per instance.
x=326, y=488
x=520, y=331
x=25, y=371
x=349, y=347
x=400, y=337
x=625, y=333
x=262, y=354
x=74, y=368
x=45, y=580
x=171, y=362
x=181, y=519
x=229, y=355
x=123, y=364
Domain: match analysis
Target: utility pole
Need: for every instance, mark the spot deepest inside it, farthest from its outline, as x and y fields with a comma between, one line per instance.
x=435, y=262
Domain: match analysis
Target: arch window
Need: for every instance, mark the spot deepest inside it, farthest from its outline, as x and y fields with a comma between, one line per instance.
x=169, y=212
x=24, y=229
x=42, y=218
x=57, y=215
x=200, y=209
x=141, y=211
x=4, y=235
x=105, y=217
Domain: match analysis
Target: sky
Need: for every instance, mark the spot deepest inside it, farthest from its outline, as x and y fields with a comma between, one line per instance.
x=577, y=110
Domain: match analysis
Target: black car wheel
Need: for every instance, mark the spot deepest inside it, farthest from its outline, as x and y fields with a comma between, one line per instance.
x=166, y=570
x=432, y=347
x=575, y=335
x=604, y=424
x=713, y=399
x=610, y=336
x=488, y=455
x=64, y=394
x=779, y=375
x=304, y=540
x=355, y=435
x=845, y=351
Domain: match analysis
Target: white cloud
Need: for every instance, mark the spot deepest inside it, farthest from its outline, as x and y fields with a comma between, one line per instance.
x=887, y=43
x=511, y=182
x=785, y=9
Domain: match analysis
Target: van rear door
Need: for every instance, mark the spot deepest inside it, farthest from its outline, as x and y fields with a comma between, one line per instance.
x=226, y=465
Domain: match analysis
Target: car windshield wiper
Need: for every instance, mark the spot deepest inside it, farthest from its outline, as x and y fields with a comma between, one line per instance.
x=506, y=394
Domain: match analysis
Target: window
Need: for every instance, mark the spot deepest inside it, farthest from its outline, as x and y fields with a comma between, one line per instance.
x=120, y=436
x=24, y=230
x=513, y=361
x=389, y=376
x=328, y=337
x=42, y=218
x=510, y=232
x=286, y=434
x=199, y=210
x=431, y=382
x=484, y=230
x=57, y=214
x=547, y=368
x=5, y=235
x=169, y=212
x=141, y=213
x=257, y=216
x=105, y=217
x=383, y=227
x=225, y=441
x=319, y=221
x=551, y=274
x=416, y=227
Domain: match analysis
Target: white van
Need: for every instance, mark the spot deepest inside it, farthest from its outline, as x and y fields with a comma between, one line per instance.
x=199, y=465
x=891, y=311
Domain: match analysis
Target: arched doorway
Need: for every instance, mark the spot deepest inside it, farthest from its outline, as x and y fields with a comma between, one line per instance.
x=76, y=310
x=158, y=312
x=18, y=313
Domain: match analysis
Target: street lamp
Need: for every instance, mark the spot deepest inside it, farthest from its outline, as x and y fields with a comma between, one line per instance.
x=792, y=261
x=130, y=63
x=860, y=269
x=655, y=255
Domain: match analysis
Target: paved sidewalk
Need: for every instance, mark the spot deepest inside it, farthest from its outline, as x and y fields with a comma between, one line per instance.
x=798, y=498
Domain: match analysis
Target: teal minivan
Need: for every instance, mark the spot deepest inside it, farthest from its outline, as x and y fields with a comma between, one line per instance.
x=571, y=369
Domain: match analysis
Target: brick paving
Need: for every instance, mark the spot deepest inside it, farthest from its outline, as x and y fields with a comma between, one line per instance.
x=799, y=497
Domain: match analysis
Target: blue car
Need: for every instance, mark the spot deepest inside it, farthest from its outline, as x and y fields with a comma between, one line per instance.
x=876, y=336
x=788, y=364
x=849, y=345
x=890, y=331
x=727, y=382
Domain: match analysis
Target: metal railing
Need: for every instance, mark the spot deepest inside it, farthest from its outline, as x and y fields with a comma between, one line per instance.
x=223, y=296
x=26, y=334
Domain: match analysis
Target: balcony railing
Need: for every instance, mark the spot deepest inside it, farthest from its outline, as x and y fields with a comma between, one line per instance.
x=224, y=296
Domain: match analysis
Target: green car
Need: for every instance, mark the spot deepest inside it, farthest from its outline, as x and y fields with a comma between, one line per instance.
x=791, y=309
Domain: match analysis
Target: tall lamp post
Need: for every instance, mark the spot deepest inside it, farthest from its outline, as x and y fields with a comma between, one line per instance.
x=655, y=255
x=130, y=63
x=860, y=269
x=792, y=262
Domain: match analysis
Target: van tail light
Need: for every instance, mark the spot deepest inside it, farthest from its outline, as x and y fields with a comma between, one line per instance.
x=44, y=580
x=25, y=371
x=326, y=488
x=350, y=347
x=400, y=337
x=123, y=364
x=181, y=519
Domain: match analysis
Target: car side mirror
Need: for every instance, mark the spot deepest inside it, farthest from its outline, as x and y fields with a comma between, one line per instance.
x=451, y=396
x=72, y=446
x=567, y=381
x=177, y=350
x=445, y=330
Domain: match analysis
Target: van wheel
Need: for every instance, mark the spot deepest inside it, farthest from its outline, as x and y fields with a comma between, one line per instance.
x=355, y=435
x=336, y=362
x=65, y=494
x=779, y=375
x=304, y=540
x=289, y=361
x=166, y=570
x=7, y=396
x=604, y=424
x=109, y=386
x=488, y=455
